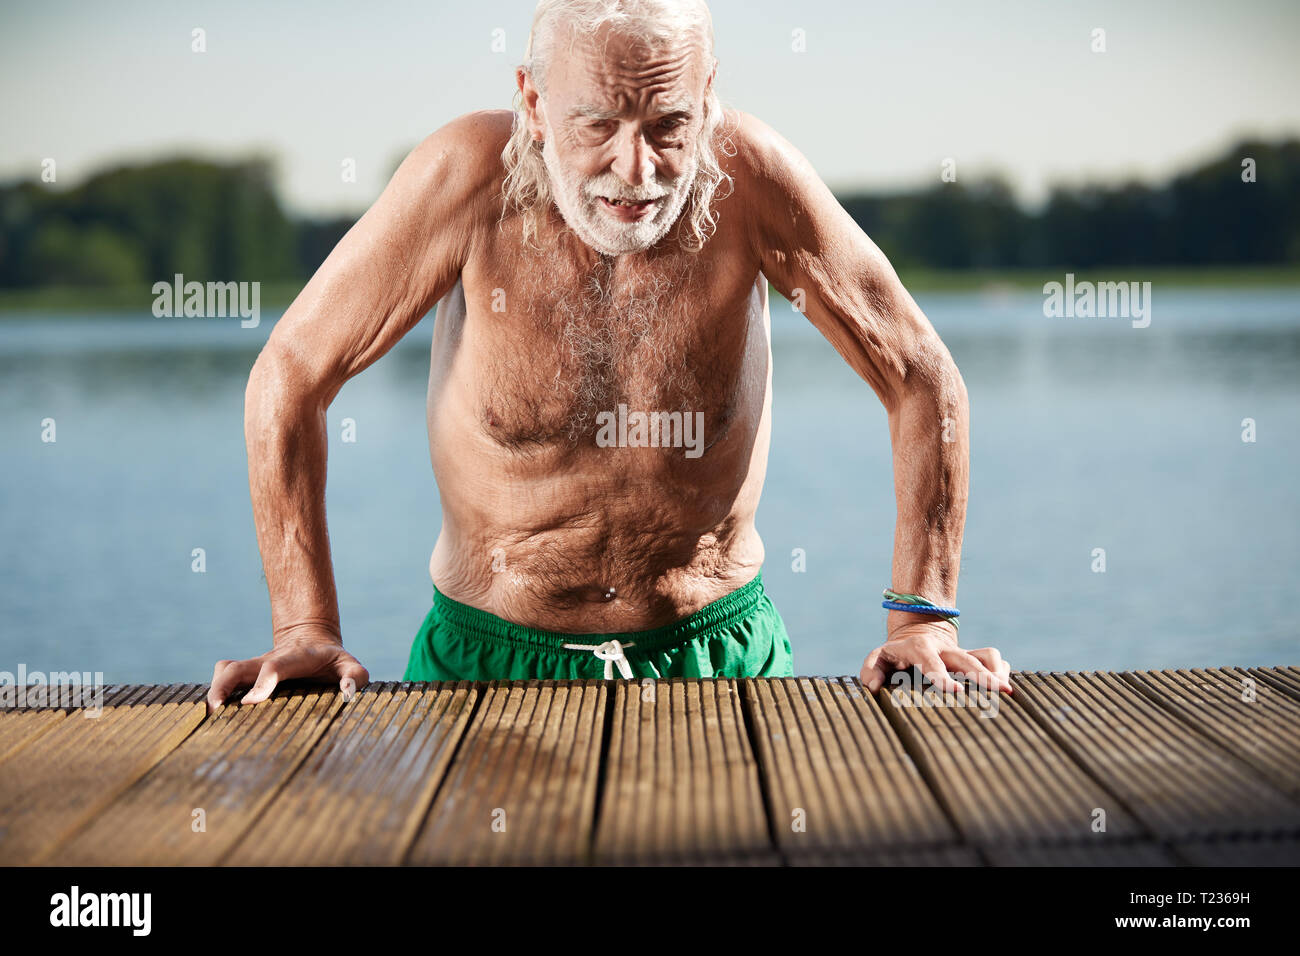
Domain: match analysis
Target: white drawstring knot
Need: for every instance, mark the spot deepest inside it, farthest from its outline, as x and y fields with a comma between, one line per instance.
x=611, y=652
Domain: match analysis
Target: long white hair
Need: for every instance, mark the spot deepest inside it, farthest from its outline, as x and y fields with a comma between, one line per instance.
x=527, y=186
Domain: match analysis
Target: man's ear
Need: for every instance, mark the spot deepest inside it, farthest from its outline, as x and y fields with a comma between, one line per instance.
x=533, y=109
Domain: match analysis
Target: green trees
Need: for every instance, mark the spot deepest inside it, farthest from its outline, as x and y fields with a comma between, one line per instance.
x=131, y=226
x=139, y=224
x=1207, y=216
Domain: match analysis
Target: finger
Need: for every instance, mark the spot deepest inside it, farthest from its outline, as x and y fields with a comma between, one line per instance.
x=229, y=676
x=352, y=677
x=985, y=678
x=873, y=673
x=973, y=669
x=989, y=656
x=996, y=663
x=933, y=667
x=355, y=672
x=267, y=678
x=214, y=698
x=1003, y=670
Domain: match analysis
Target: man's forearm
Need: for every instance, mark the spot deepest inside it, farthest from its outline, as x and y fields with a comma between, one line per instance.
x=287, y=447
x=929, y=430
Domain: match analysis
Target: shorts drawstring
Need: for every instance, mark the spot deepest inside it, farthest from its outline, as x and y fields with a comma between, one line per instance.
x=611, y=652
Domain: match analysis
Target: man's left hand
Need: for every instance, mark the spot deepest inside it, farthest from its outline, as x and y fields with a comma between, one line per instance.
x=931, y=647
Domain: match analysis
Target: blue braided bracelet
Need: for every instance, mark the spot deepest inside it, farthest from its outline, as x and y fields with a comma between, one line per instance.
x=896, y=601
x=922, y=608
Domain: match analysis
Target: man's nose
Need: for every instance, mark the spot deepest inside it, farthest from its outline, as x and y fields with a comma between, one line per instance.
x=634, y=162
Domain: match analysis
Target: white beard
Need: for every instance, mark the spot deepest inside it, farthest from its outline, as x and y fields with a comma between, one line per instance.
x=579, y=203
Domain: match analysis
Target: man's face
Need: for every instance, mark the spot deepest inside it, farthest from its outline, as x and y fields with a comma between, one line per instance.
x=621, y=123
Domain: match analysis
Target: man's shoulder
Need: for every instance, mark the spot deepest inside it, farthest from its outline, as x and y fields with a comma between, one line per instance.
x=763, y=164
x=462, y=158
x=745, y=127
x=479, y=135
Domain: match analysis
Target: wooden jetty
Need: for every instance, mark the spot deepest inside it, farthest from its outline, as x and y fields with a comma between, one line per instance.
x=1151, y=768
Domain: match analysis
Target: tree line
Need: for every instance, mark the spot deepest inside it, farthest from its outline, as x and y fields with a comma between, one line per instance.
x=134, y=225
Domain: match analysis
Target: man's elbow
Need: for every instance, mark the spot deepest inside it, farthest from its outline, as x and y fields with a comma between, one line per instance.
x=280, y=387
x=931, y=378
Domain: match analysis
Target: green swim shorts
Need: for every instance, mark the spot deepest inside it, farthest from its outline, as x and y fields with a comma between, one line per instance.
x=740, y=635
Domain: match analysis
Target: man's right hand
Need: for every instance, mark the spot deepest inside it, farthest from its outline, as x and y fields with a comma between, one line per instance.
x=316, y=654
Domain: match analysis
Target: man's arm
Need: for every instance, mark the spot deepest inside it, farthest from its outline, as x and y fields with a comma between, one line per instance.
x=813, y=251
x=403, y=255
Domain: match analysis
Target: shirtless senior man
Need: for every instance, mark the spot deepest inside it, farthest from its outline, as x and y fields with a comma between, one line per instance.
x=599, y=399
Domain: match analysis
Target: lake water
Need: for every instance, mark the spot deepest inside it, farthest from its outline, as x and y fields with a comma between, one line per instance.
x=1086, y=433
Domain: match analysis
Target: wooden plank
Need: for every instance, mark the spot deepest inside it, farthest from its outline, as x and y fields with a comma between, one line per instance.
x=522, y=786
x=1180, y=785
x=1285, y=679
x=1001, y=778
x=229, y=769
x=1196, y=766
x=29, y=711
x=361, y=796
x=79, y=766
x=838, y=781
x=1254, y=721
x=118, y=695
x=681, y=784
x=18, y=728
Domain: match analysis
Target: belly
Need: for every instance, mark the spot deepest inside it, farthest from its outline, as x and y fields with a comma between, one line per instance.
x=581, y=501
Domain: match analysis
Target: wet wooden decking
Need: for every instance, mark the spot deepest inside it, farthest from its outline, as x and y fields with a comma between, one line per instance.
x=1139, y=768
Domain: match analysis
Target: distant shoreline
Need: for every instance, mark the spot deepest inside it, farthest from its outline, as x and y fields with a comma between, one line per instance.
x=279, y=295
x=973, y=280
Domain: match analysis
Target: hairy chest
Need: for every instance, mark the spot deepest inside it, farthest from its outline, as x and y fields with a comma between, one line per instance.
x=556, y=353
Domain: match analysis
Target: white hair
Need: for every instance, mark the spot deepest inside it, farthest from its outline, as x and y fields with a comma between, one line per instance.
x=527, y=186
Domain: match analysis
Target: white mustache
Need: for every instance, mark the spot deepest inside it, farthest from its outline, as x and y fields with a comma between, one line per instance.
x=617, y=189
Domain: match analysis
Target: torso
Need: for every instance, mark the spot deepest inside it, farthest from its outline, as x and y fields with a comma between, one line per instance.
x=543, y=524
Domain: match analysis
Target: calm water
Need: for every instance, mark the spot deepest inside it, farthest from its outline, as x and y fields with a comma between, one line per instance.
x=1086, y=433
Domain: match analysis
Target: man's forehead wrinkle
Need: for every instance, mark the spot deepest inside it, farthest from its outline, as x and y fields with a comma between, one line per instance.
x=660, y=86
x=644, y=87
x=660, y=59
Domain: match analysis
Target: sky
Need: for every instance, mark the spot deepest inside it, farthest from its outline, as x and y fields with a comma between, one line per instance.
x=880, y=95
